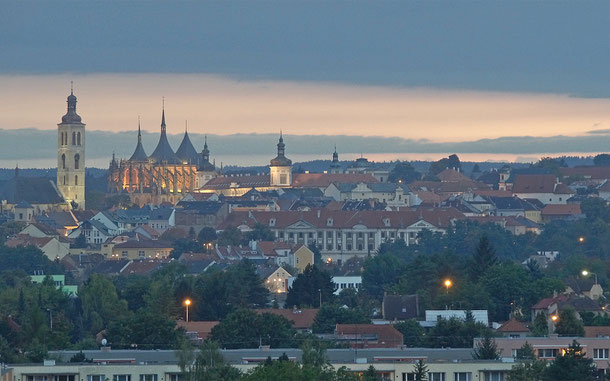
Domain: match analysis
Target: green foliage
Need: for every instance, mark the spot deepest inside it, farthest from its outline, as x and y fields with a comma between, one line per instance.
x=371, y=374
x=595, y=208
x=568, y=323
x=218, y=293
x=309, y=286
x=403, y=172
x=541, y=325
x=9, y=229
x=101, y=304
x=528, y=371
x=208, y=365
x=146, y=329
x=314, y=352
x=412, y=332
x=27, y=259
x=486, y=349
x=331, y=314
x=455, y=333
x=484, y=258
x=317, y=255
x=603, y=159
x=451, y=162
x=247, y=329
x=230, y=236
x=420, y=370
x=380, y=272
x=573, y=365
x=260, y=232
x=207, y=235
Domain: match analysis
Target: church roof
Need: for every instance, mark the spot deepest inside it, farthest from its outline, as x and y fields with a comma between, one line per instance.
x=280, y=160
x=34, y=190
x=71, y=116
x=186, y=152
x=164, y=152
x=139, y=154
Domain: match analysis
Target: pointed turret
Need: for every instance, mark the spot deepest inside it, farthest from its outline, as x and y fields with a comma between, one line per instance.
x=186, y=152
x=280, y=160
x=139, y=154
x=164, y=152
x=204, y=162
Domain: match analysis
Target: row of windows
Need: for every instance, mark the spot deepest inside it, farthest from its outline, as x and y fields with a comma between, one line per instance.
x=457, y=376
x=76, y=161
x=75, y=180
x=75, y=138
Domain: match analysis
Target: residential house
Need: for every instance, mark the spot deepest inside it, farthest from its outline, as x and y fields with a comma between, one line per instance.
x=584, y=286
x=39, y=230
x=145, y=249
x=514, y=329
x=554, y=305
x=94, y=231
x=388, y=193
x=400, y=307
x=560, y=211
x=479, y=316
x=162, y=219
x=52, y=247
x=275, y=278
x=200, y=214
x=368, y=335
x=302, y=319
x=24, y=211
x=544, y=188
x=197, y=331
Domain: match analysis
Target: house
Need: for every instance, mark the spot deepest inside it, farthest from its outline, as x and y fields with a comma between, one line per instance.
x=24, y=211
x=94, y=231
x=554, y=305
x=368, y=335
x=513, y=329
x=162, y=219
x=560, y=211
x=275, y=278
x=146, y=249
x=388, y=193
x=301, y=257
x=147, y=232
x=141, y=267
x=109, y=221
x=52, y=247
x=197, y=331
x=302, y=319
x=343, y=282
x=584, y=286
x=542, y=187
x=39, y=230
x=400, y=307
x=59, y=281
x=200, y=214
x=197, y=263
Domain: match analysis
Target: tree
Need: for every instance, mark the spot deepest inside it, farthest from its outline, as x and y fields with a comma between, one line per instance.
x=317, y=255
x=370, y=374
x=486, y=349
x=210, y=365
x=603, y=159
x=541, y=325
x=230, y=236
x=311, y=286
x=573, y=365
x=80, y=242
x=594, y=208
x=331, y=314
x=380, y=273
x=260, y=232
x=146, y=329
x=207, y=235
x=420, y=370
x=314, y=352
x=403, y=172
x=533, y=370
x=483, y=258
x=247, y=329
x=451, y=162
x=101, y=304
x=568, y=323
x=412, y=332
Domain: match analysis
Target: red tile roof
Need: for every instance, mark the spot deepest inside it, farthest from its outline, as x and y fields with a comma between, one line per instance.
x=27, y=240
x=268, y=248
x=547, y=302
x=202, y=328
x=597, y=331
x=513, y=325
x=539, y=184
x=598, y=173
x=322, y=180
x=452, y=175
x=561, y=210
x=386, y=335
x=301, y=319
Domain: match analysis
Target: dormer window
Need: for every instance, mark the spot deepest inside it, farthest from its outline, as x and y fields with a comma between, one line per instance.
x=329, y=222
x=386, y=222
x=272, y=222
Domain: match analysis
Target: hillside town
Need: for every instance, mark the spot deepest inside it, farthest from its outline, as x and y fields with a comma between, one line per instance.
x=370, y=271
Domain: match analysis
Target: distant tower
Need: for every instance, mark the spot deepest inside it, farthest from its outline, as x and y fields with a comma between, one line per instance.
x=206, y=171
x=71, y=156
x=335, y=167
x=281, y=167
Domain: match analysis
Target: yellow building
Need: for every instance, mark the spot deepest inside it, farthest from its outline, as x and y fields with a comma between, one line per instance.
x=276, y=279
x=149, y=249
x=303, y=257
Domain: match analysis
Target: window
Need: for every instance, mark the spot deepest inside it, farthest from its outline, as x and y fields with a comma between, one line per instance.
x=96, y=377
x=600, y=353
x=63, y=377
x=74, y=138
x=64, y=180
x=78, y=138
x=148, y=377
x=141, y=254
x=121, y=377
x=124, y=253
x=494, y=376
x=408, y=377
x=436, y=376
x=75, y=180
x=175, y=377
x=283, y=179
x=76, y=161
x=547, y=353
x=37, y=378
x=63, y=161
x=463, y=376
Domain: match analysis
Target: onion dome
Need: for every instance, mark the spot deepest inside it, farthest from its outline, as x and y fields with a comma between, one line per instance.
x=280, y=160
x=71, y=116
x=204, y=161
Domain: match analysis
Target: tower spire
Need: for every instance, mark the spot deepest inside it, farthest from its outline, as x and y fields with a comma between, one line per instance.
x=163, y=127
x=139, y=131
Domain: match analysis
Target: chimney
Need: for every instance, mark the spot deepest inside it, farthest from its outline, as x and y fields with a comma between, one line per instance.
x=318, y=213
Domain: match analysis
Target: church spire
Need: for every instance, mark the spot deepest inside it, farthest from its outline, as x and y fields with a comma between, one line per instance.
x=71, y=115
x=139, y=132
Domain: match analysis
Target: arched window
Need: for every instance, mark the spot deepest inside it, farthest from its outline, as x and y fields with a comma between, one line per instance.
x=78, y=138
x=63, y=161
x=62, y=138
x=76, y=161
x=74, y=138
x=65, y=138
x=64, y=180
x=75, y=180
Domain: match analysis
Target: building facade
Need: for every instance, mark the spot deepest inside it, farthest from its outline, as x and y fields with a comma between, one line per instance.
x=71, y=156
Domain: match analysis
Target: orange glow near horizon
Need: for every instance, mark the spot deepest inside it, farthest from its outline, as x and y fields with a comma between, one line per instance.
x=219, y=105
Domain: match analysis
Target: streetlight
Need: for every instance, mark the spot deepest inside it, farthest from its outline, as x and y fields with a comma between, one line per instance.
x=554, y=318
x=586, y=273
x=581, y=239
x=320, y=291
x=187, y=303
x=448, y=283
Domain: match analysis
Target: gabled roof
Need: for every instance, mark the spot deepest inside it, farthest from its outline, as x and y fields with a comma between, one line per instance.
x=300, y=318
x=547, y=302
x=186, y=152
x=513, y=325
x=597, y=173
x=202, y=328
x=400, y=307
x=452, y=175
x=146, y=244
x=141, y=267
x=580, y=285
x=27, y=240
x=534, y=184
x=580, y=303
x=561, y=210
x=35, y=190
x=384, y=335
x=163, y=213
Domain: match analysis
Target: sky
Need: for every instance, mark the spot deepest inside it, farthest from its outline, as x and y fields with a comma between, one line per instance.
x=437, y=76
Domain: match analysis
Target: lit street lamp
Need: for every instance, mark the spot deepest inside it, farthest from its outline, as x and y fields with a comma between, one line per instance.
x=554, y=318
x=187, y=303
x=586, y=273
x=448, y=283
